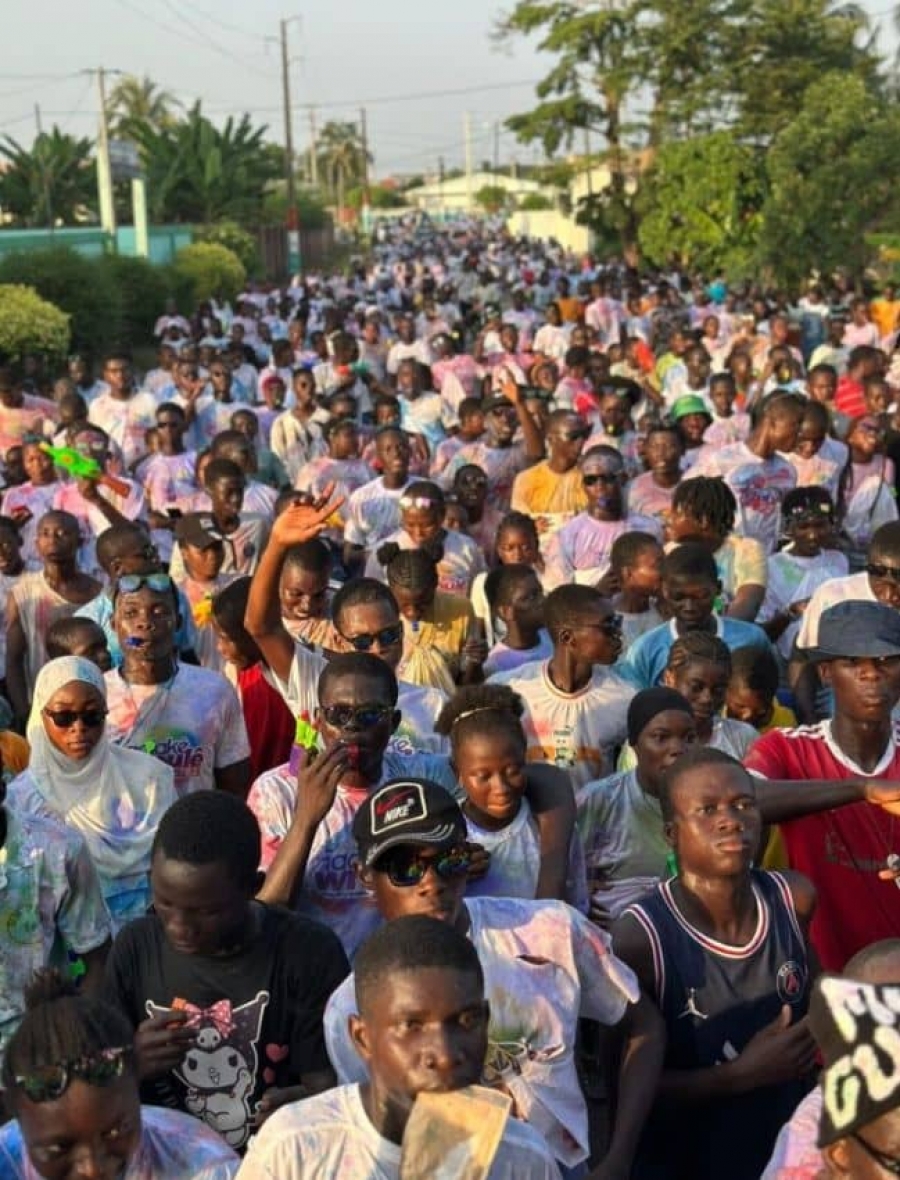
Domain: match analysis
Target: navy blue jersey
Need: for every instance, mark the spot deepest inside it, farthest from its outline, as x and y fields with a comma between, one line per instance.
x=714, y=998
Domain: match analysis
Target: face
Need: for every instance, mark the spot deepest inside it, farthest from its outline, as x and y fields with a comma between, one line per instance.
x=427, y=1032
x=472, y=426
x=784, y=426
x=703, y=685
x=614, y=414
x=471, y=485
x=89, y=643
x=138, y=556
x=304, y=389
x=370, y=620
x=865, y=439
x=717, y=825
x=368, y=740
x=145, y=623
x=885, y=585
x=247, y=424
x=171, y=427
x=57, y=538
x=821, y=387
x=502, y=422
x=90, y=1131
x=491, y=771
x=596, y=637
x=603, y=478
x=117, y=375
x=81, y=733
x=227, y=496
x=748, y=705
x=644, y=575
x=691, y=600
x=422, y=524
x=810, y=532
x=220, y=378
x=848, y=1157
x=865, y=690
x=662, y=452
x=10, y=550
x=878, y=398
x=693, y=427
x=433, y=896
x=414, y=604
x=241, y=452
x=661, y=742
x=392, y=449
x=697, y=365
x=517, y=547
x=721, y=394
x=201, y=909
x=344, y=442
x=38, y=464
x=809, y=438
x=303, y=593
x=203, y=564
x=526, y=603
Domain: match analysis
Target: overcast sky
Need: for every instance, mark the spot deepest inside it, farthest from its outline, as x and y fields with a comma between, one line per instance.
x=416, y=65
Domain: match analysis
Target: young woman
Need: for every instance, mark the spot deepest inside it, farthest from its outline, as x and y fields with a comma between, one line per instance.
x=866, y=492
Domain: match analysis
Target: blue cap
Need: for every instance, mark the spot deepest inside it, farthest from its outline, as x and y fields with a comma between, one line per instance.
x=857, y=630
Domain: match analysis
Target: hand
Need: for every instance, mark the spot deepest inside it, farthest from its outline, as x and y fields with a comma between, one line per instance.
x=509, y=388
x=90, y=490
x=796, y=609
x=780, y=1052
x=161, y=1042
x=317, y=782
x=21, y=515
x=885, y=795
x=473, y=653
x=274, y=1098
x=480, y=862
x=304, y=521
x=609, y=584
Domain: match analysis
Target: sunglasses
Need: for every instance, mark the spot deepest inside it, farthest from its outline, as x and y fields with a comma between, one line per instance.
x=355, y=716
x=572, y=435
x=591, y=481
x=66, y=718
x=386, y=637
x=50, y=1082
x=888, y=572
x=417, y=502
x=890, y=1163
x=407, y=867
x=609, y=626
x=131, y=583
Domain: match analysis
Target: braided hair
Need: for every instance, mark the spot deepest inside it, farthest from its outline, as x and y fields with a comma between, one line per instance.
x=481, y=710
x=709, y=500
x=696, y=646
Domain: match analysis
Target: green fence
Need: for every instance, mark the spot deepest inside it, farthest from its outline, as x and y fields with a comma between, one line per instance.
x=165, y=240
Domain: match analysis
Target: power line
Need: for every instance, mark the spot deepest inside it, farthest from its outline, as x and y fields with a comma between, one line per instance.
x=210, y=43
x=220, y=23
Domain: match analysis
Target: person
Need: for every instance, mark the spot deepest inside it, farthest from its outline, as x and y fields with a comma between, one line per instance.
x=28, y=502
x=122, y=412
x=304, y=591
x=170, y=474
x=752, y=693
x=113, y=797
x=818, y=459
x=727, y=426
x=755, y=471
x=575, y=702
x=689, y=586
x=243, y=533
x=635, y=564
x=866, y=496
x=516, y=600
x=552, y=491
x=373, y=510
x=580, y=550
x=722, y=949
x=37, y=599
x=202, y=553
x=70, y=1078
x=691, y=418
x=188, y=717
x=269, y=723
x=470, y=413
x=470, y=486
x=297, y=432
x=844, y=853
x=487, y=754
x=545, y=966
x=225, y=994
x=436, y=988
x=80, y=637
x=651, y=493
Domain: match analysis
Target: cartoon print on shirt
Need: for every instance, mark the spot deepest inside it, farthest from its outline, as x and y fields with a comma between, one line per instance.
x=219, y=1071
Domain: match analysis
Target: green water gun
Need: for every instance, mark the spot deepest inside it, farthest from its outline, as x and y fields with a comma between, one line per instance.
x=84, y=467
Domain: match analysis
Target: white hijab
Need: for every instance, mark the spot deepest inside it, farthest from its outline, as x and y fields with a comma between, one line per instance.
x=115, y=797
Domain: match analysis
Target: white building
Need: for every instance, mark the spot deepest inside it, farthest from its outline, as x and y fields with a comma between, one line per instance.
x=457, y=195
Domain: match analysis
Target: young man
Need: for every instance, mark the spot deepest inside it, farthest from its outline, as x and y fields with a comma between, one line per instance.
x=651, y=494
x=421, y=1026
x=516, y=597
x=552, y=491
x=202, y=553
x=689, y=586
x=755, y=471
x=226, y=995
x=373, y=511
x=721, y=948
x=545, y=967
x=170, y=474
x=123, y=413
x=188, y=717
x=575, y=704
x=243, y=534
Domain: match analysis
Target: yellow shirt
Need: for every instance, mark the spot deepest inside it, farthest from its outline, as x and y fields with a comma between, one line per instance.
x=884, y=315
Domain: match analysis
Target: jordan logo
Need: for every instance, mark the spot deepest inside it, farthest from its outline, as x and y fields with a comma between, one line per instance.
x=690, y=1008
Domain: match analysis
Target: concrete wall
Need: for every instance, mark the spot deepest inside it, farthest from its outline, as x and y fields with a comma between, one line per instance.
x=549, y=223
x=165, y=240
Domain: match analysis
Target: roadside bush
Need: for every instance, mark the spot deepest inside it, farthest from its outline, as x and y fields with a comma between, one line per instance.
x=210, y=270
x=235, y=239
x=142, y=290
x=29, y=324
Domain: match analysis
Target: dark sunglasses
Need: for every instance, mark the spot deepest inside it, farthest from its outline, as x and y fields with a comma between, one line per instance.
x=590, y=481
x=889, y=572
x=50, y=1082
x=408, y=867
x=386, y=637
x=890, y=1163
x=66, y=718
x=355, y=716
x=572, y=435
x=131, y=583
x=609, y=626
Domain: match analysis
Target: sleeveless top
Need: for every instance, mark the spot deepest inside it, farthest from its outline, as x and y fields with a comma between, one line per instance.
x=714, y=998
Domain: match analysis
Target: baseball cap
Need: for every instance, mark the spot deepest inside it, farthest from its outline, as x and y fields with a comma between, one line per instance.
x=406, y=811
x=689, y=404
x=496, y=403
x=197, y=529
x=851, y=630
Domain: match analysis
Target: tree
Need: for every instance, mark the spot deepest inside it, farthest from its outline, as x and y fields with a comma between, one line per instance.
x=201, y=173
x=53, y=183
x=342, y=157
x=29, y=324
x=701, y=204
x=137, y=102
x=829, y=181
x=492, y=197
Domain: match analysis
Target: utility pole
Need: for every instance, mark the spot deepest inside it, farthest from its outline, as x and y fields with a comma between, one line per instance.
x=467, y=132
x=313, y=149
x=364, y=136
x=48, y=192
x=293, y=219
x=496, y=148
x=104, y=167
x=441, y=185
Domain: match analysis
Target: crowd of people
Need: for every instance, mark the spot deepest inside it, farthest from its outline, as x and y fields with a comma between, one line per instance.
x=477, y=672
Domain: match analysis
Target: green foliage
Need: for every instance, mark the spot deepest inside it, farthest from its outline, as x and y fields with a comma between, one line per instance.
x=211, y=270
x=141, y=290
x=492, y=197
x=29, y=324
x=78, y=286
x=137, y=102
x=701, y=204
x=533, y=202
x=829, y=180
x=52, y=183
x=236, y=239
x=380, y=197
x=341, y=157
x=310, y=207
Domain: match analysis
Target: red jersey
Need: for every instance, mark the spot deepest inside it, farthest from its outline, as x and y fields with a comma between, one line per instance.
x=841, y=851
x=849, y=397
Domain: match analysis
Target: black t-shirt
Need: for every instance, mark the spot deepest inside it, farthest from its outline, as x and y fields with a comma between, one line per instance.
x=258, y=1013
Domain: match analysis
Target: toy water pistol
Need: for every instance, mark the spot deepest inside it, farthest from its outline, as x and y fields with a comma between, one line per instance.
x=306, y=742
x=83, y=467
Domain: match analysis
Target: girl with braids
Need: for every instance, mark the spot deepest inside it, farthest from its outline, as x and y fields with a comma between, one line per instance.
x=422, y=510
x=699, y=667
x=704, y=509
x=517, y=543
x=70, y=1077
x=487, y=755
x=866, y=497
x=437, y=648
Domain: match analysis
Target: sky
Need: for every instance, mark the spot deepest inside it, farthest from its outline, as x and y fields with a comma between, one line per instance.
x=416, y=65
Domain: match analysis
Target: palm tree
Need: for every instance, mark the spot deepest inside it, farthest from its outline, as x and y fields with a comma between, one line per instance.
x=342, y=157
x=52, y=183
x=140, y=102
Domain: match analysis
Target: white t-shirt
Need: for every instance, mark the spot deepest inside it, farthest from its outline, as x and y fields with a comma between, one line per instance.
x=329, y=1137
x=854, y=588
x=193, y=723
x=795, y=579
x=373, y=513
x=125, y=420
x=545, y=965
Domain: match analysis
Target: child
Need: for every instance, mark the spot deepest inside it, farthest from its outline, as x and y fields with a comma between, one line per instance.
x=699, y=667
x=304, y=593
x=244, y=534
x=635, y=562
x=202, y=552
x=76, y=636
x=689, y=587
x=471, y=428
x=796, y=571
x=817, y=459
x=516, y=598
x=340, y=466
x=296, y=435
x=30, y=500
x=651, y=493
x=168, y=475
x=268, y=465
x=693, y=419
x=487, y=754
x=270, y=724
x=752, y=687
x=727, y=427
x=866, y=493
x=516, y=543
x=420, y=409
x=422, y=523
